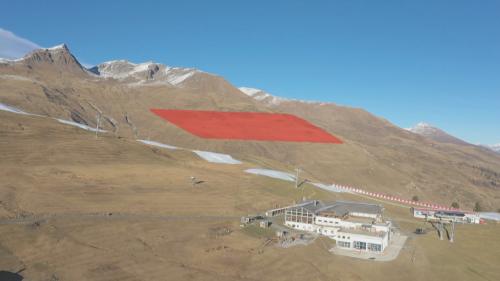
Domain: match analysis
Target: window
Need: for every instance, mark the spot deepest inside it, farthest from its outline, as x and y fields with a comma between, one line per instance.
x=375, y=247
x=343, y=244
x=359, y=245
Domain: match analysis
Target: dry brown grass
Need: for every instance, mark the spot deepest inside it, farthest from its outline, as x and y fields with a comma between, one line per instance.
x=161, y=228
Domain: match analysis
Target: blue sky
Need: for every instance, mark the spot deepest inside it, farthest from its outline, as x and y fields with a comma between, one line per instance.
x=407, y=61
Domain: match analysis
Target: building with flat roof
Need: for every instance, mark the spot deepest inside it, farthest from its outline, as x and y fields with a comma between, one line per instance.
x=354, y=225
x=457, y=216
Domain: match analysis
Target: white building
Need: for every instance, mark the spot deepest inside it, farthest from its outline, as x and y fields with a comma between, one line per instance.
x=354, y=225
x=447, y=215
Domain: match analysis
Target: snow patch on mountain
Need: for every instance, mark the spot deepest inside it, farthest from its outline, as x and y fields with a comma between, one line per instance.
x=12, y=109
x=435, y=134
x=177, y=75
x=120, y=69
x=81, y=126
x=144, y=74
x=331, y=188
x=250, y=91
x=158, y=144
x=57, y=47
x=423, y=128
x=217, y=157
x=272, y=174
x=262, y=96
x=493, y=147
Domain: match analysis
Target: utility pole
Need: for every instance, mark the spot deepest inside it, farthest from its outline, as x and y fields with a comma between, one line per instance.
x=297, y=170
x=452, y=236
x=98, y=117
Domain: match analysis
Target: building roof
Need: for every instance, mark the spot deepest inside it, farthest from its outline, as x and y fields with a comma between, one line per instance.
x=339, y=208
x=311, y=206
x=360, y=231
x=343, y=208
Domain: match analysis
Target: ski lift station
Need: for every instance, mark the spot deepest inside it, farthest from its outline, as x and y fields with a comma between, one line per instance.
x=455, y=216
x=354, y=225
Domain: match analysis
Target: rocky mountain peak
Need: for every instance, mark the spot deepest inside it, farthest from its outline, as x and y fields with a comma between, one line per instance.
x=434, y=133
x=58, y=56
x=142, y=73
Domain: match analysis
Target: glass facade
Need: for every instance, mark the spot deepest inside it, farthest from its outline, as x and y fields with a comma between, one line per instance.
x=375, y=247
x=299, y=215
x=359, y=245
x=344, y=244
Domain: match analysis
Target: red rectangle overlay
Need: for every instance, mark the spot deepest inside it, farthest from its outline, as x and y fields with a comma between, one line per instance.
x=258, y=126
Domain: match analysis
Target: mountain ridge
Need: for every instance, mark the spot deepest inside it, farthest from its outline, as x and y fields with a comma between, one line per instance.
x=436, y=134
x=377, y=155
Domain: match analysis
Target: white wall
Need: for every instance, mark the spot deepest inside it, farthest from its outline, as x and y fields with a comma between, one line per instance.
x=301, y=226
x=330, y=227
x=351, y=237
x=328, y=221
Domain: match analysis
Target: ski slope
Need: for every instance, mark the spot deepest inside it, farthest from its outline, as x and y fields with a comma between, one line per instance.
x=272, y=174
x=158, y=144
x=217, y=157
x=81, y=126
x=12, y=109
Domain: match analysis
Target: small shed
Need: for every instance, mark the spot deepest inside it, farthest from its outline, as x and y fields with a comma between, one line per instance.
x=265, y=224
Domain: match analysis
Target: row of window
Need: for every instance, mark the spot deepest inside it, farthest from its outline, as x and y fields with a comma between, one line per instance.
x=325, y=221
x=367, y=246
x=325, y=231
x=344, y=244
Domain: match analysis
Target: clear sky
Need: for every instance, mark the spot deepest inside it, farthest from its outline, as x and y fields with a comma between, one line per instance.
x=407, y=61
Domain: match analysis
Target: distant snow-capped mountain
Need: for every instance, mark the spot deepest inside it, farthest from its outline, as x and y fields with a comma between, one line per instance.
x=493, y=147
x=133, y=74
x=144, y=72
x=262, y=96
x=435, y=134
x=268, y=99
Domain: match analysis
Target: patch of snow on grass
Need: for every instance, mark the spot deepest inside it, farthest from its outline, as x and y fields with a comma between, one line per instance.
x=158, y=144
x=332, y=188
x=272, y=173
x=490, y=216
x=81, y=126
x=12, y=109
x=217, y=157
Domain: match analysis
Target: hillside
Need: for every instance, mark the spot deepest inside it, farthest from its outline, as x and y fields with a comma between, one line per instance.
x=435, y=134
x=376, y=155
x=77, y=207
